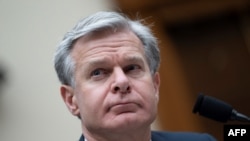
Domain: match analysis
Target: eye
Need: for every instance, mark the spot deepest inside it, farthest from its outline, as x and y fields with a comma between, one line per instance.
x=97, y=72
x=132, y=67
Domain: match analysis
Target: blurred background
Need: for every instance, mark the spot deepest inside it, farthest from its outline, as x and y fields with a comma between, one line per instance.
x=205, y=47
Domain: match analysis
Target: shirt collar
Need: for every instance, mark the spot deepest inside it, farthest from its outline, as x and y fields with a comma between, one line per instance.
x=86, y=139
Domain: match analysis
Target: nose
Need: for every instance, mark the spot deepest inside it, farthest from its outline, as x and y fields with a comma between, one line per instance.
x=121, y=82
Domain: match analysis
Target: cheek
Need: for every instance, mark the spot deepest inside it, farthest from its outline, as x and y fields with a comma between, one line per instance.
x=148, y=94
x=91, y=100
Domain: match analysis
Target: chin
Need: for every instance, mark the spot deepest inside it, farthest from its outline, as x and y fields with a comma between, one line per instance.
x=130, y=121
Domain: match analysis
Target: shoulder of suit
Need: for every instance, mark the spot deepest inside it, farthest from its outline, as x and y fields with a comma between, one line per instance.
x=181, y=136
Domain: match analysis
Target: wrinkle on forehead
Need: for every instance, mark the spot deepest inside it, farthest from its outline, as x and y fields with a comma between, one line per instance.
x=104, y=34
x=90, y=45
x=102, y=60
x=107, y=36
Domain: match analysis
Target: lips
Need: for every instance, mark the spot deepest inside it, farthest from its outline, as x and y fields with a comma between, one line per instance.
x=120, y=108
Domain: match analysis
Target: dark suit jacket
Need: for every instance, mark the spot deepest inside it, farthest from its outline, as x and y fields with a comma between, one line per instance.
x=177, y=136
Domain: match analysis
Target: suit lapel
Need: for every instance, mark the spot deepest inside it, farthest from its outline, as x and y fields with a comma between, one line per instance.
x=82, y=138
x=157, y=137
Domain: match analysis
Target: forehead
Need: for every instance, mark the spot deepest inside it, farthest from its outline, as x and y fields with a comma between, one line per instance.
x=108, y=35
x=108, y=42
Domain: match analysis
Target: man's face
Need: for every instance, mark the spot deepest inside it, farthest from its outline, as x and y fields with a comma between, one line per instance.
x=114, y=89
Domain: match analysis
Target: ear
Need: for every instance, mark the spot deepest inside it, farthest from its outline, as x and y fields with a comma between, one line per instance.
x=69, y=98
x=156, y=81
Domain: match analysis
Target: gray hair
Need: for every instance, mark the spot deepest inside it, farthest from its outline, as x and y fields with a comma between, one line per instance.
x=99, y=22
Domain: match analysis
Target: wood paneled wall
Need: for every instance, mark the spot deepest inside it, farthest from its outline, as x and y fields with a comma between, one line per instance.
x=204, y=48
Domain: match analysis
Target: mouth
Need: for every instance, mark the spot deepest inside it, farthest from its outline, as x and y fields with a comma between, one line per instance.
x=121, y=108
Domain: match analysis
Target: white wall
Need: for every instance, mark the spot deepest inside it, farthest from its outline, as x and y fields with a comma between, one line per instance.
x=31, y=108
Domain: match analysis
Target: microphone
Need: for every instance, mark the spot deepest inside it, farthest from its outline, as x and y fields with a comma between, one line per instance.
x=218, y=110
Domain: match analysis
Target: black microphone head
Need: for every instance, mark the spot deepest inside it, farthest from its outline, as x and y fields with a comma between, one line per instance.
x=213, y=108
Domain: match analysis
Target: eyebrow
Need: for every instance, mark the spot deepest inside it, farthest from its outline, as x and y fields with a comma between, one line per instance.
x=98, y=62
x=105, y=61
x=134, y=59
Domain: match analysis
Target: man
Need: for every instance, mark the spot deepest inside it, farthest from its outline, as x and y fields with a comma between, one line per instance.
x=108, y=67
